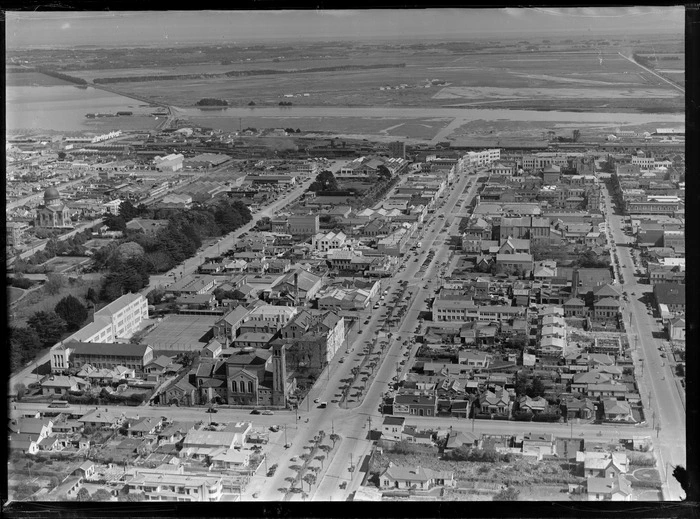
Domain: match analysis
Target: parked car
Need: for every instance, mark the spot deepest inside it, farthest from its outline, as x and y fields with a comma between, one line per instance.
x=267, y=412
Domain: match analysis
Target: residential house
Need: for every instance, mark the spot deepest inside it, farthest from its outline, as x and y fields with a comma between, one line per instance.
x=533, y=405
x=60, y=385
x=617, y=410
x=402, y=477
x=603, y=464
x=538, y=444
x=618, y=488
x=457, y=439
x=495, y=403
x=392, y=427
x=232, y=459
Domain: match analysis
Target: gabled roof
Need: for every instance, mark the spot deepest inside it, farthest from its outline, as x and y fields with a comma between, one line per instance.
x=610, y=486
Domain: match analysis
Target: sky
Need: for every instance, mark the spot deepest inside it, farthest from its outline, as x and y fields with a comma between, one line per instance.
x=64, y=29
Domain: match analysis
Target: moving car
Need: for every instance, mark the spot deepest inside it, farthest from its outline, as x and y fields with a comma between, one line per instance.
x=267, y=412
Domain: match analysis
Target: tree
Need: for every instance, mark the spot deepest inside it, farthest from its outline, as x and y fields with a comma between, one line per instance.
x=48, y=326
x=127, y=210
x=92, y=295
x=72, y=311
x=325, y=181
x=334, y=438
x=383, y=172
x=83, y=495
x=507, y=494
x=21, y=389
x=536, y=388
x=129, y=250
x=520, y=384
x=133, y=497
x=325, y=448
x=25, y=343
x=101, y=495
x=320, y=458
x=54, y=283
x=310, y=479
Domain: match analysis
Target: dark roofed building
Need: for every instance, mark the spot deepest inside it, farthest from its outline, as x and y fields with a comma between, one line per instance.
x=672, y=295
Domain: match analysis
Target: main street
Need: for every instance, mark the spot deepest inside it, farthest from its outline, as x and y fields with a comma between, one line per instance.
x=353, y=423
x=654, y=375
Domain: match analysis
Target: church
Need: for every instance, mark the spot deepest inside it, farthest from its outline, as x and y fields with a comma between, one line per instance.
x=53, y=213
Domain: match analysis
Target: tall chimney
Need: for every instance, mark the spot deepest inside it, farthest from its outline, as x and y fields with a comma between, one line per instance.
x=296, y=288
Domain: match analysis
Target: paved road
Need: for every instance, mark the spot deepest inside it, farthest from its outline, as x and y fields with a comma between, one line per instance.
x=656, y=379
x=677, y=87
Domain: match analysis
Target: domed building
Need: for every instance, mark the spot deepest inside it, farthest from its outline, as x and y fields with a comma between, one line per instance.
x=54, y=213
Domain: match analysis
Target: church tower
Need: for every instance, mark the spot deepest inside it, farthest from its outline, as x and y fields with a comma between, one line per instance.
x=279, y=374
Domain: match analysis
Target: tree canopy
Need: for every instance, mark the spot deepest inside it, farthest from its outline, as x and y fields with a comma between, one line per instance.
x=49, y=327
x=72, y=311
x=325, y=181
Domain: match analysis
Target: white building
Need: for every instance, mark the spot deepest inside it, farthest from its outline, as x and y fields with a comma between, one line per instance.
x=172, y=162
x=118, y=320
x=328, y=241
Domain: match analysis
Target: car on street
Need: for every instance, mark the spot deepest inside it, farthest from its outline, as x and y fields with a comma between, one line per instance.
x=255, y=411
x=267, y=412
x=317, y=400
x=342, y=360
x=212, y=410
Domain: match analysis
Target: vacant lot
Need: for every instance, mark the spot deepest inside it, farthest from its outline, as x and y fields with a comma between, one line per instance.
x=39, y=300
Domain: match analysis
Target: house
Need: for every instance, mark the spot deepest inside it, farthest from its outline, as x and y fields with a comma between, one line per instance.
x=411, y=434
x=101, y=419
x=60, y=385
x=415, y=404
x=68, y=489
x=457, y=439
x=617, y=410
x=618, y=488
x=607, y=308
x=143, y=427
x=676, y=329
x=575, y=408
x=86, y=470
x=36, y=427
x=174, y=432
x=24, y=443
x=198, y=444
x=402, y=477
x=575, y=307
x=533, y=405
x=232, y=459
x=538, y=444
x=460, y=408
x=603, y=464
x=495, y=403
x=610, y=389
x=392, y=427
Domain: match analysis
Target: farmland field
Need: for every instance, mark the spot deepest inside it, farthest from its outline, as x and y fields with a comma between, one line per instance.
x=426, y=80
